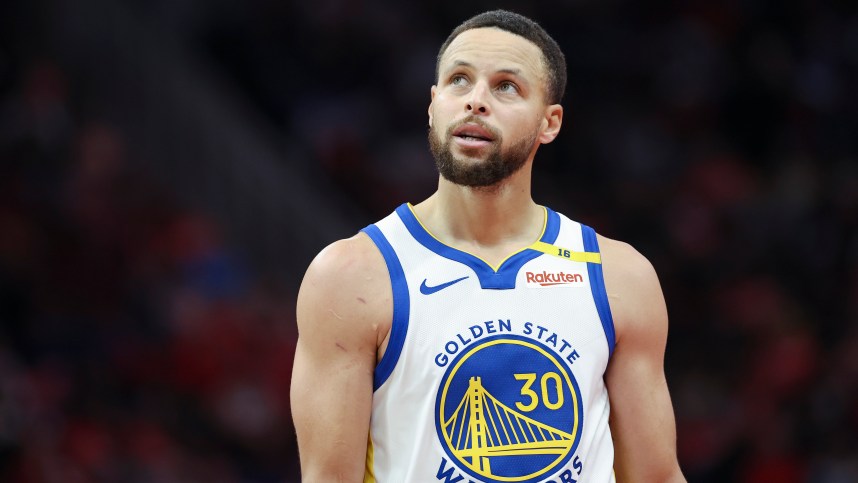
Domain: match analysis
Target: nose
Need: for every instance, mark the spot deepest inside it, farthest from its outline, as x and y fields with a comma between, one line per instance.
x=477, y=102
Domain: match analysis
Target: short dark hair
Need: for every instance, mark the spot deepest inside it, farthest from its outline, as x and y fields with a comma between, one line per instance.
x=522, y=26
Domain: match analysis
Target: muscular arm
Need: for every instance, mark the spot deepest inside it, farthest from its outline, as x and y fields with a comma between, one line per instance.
x=344, y=308
x=642, y=422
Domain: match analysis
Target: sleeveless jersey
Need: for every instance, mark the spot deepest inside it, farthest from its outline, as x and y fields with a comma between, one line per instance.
x=492, y=374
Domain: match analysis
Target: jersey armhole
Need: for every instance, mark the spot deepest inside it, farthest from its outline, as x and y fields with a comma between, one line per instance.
x=597, y=286
x=399, y=324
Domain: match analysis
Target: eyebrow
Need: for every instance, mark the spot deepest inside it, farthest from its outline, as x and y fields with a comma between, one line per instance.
x=462, y=63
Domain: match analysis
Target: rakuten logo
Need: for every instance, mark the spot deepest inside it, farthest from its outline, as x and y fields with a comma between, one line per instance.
x=547, y=279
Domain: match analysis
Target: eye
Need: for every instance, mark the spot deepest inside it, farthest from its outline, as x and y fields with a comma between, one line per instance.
x=458, y=80
x=508, y=87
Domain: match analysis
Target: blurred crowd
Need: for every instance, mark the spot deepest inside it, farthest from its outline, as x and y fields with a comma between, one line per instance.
x=719, y=138
x=134, y=346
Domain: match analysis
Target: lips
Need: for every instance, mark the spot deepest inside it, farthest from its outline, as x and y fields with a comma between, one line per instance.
x=473, y=132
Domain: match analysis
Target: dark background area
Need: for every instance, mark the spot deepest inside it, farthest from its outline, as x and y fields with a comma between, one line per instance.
x=169, y=168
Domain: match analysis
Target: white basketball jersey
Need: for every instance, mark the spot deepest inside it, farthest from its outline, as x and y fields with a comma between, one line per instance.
x=492, y=374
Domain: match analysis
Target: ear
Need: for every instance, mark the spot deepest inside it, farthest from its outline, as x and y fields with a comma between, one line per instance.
x=551, y=123
x=432, y=97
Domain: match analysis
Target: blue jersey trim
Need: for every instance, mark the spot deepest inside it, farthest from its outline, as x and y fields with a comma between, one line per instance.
x=401, y=307
x=504, y=277
x=597, y=286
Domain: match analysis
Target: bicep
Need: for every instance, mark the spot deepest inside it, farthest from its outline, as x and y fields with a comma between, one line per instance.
x=332, y=379
x=331, y=404
x=642, y=421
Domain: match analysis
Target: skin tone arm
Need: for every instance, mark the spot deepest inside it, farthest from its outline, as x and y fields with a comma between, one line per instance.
x=642, y=422
x=344, y=301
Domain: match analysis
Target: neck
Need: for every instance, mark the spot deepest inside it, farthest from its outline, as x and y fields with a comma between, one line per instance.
x=502, y=217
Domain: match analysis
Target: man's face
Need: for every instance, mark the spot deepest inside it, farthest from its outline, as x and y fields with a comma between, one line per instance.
x=488, y=109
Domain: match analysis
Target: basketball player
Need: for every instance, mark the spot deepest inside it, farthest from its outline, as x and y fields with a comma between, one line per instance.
x=478, y=336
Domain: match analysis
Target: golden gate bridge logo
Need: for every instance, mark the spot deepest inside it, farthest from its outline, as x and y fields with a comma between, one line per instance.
x=527, y=425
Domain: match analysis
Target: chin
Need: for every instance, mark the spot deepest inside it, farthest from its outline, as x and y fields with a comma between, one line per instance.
x=476, y=155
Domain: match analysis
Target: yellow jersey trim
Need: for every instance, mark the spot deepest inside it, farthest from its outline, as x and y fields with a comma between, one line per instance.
x=369, y=474
x=554, y=250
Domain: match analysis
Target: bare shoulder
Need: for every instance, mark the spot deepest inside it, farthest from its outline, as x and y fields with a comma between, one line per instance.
x=346, y=290
x=634, y=292
x=625, y=264
x=344, y=261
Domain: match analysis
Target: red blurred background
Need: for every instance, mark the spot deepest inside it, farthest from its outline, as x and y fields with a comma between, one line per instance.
x=168, y=169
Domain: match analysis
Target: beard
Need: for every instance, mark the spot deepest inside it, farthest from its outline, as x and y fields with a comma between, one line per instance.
x=497, y=166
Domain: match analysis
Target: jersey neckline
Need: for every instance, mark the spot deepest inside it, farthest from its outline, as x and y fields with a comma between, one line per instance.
x=500, y=278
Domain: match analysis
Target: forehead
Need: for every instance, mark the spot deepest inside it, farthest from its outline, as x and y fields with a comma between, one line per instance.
x=493, y=48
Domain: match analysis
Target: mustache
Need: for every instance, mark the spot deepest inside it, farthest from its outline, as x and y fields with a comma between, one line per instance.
x=472, y=119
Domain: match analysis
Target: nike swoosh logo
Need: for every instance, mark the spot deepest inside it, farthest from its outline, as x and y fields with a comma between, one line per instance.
x=427, y=290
